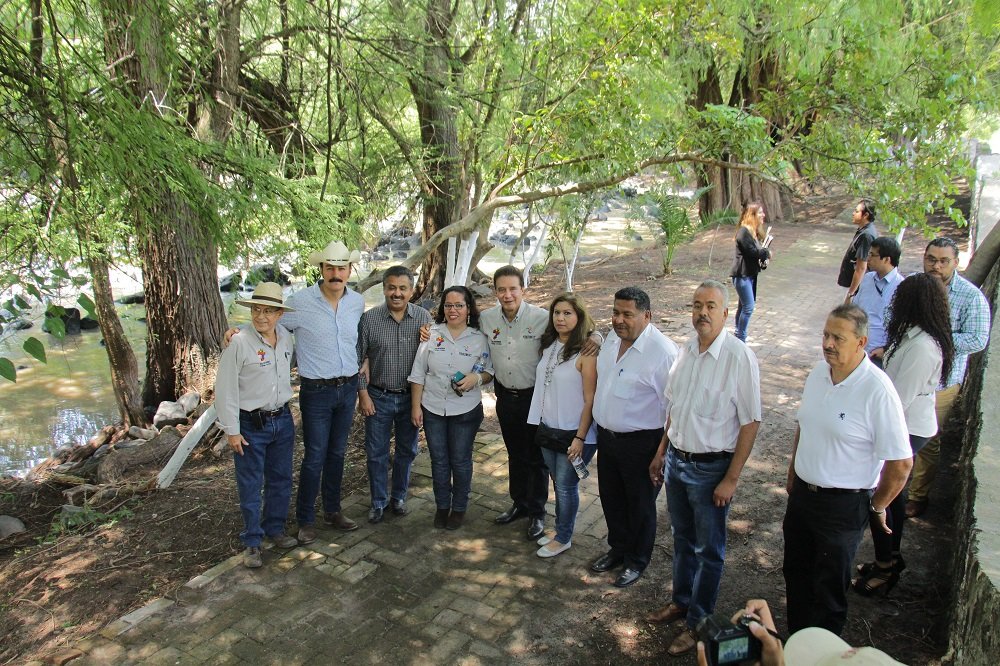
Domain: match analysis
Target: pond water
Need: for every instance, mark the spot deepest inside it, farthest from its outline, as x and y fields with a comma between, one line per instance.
x=66, y=400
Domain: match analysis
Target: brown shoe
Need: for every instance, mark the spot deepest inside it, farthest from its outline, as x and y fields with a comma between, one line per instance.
x=667, y=614
x=915, y=508
x=455, y=520
x=685, y=642
x=340, y=521
x=441, y=518
x=282, y=540
x=307, y=534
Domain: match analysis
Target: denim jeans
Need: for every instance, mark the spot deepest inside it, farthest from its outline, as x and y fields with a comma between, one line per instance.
x=266, y=462
x=566, y=483
x=699, y=531
x=391, y=409
x=327, y=415
x=746, y=289
x=449, y=440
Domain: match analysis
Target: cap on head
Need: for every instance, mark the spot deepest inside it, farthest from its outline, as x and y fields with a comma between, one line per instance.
x=335, y=254
x=268, y=294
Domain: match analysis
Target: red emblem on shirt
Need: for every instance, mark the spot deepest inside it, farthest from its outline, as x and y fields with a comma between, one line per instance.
x=262, y=354
x=496, y=333
x=440, y=341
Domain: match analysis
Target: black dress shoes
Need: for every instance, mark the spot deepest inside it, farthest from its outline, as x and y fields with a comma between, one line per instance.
x=606, y=562
x=627, y=577
x=510, y=515
x=536, y=528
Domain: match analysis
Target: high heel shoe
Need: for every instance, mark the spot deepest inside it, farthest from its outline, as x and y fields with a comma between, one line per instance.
x=865, y=570
x=877, y=581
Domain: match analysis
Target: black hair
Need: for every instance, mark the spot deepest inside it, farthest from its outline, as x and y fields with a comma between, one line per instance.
x=470, y=304
x=578, y=336
x=943, y=241
x=638, y=296
x=888, y=248
x=397, y=271
x=921, y=300
x=868, y=209
x=509, y=271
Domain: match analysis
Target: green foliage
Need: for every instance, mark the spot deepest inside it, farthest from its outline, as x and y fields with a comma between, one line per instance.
x=87, y=517
x=34, y=347
x=670, y=216
x=7, y=370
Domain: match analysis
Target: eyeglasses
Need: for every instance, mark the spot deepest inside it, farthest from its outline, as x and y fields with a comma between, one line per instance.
x=454, y=306
x=261, y=310
x=934, y=261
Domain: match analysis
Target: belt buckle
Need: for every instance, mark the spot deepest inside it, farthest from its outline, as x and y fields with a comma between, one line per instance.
x=812, y=487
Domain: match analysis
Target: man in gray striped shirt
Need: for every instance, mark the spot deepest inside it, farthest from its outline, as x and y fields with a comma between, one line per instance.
x=388, y=336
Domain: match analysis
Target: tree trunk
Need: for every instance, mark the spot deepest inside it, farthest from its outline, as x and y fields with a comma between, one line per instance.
x=124, y=368
x=185, y=317
x=442, y=192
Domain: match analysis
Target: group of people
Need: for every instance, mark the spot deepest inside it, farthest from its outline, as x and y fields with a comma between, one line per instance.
x=653, y=412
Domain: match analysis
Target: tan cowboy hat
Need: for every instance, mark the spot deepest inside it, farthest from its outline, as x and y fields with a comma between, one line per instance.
x=814, y=646
x=267, y=294
x=335, y=254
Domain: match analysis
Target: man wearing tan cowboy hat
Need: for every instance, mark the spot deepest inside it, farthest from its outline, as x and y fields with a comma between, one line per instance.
x=252, y=390
x=325, y=323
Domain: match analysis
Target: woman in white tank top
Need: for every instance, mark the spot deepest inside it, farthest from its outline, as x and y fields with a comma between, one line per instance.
x=561, y=405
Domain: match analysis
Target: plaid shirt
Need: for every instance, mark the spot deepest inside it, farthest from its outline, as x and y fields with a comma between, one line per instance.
x=970, y=325
x=389, y=345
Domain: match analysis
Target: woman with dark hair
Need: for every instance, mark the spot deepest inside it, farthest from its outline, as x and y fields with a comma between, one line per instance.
x=748, y=261
x=561, y=405
x=919, y=354
x=448, y=371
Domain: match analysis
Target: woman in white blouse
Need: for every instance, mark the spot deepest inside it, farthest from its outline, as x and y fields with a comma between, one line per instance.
x=919, y=354
x=448, y=371
x=561, y=405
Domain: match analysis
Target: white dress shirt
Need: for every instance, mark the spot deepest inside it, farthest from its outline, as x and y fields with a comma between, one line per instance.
x=848, y=429
x=631, y=390
x=712, y=394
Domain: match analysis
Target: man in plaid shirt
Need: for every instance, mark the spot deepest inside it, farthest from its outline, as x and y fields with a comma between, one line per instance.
x=970, y=328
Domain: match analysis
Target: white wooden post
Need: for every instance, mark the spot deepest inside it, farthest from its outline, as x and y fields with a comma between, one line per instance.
x=449, y=269
x=183, y=450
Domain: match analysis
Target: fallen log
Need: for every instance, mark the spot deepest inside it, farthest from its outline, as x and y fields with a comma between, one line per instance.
x=97, y=441
x=114, y=467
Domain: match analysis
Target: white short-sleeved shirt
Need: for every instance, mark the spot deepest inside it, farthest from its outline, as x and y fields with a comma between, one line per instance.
x=631, y=390
x=515, y=345
x=712, y=394
x=559, y=403
x=848, y=429
x=437, y=361
x=915, y=370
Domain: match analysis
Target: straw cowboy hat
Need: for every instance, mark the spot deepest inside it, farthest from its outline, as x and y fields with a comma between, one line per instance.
x=814, y=646
x=267, y=294
x=335, y=254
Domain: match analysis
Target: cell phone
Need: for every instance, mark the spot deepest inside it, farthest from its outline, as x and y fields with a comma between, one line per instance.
x=455, y=379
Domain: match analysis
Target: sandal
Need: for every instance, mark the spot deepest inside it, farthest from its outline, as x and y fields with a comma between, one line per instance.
x=878, y=581
x=685, y=642
x=898, y=565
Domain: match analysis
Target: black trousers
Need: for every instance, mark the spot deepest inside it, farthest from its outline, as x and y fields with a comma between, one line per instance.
x=822, y=533
x=628, y=497
x=526, y=470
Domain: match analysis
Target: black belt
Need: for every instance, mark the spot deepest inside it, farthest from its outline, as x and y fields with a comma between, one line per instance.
x=813, y=488
x=393, y=391
x=269, y=413
x=631, y=435
x=701, y=457
x=517, y=393
x=334, y=381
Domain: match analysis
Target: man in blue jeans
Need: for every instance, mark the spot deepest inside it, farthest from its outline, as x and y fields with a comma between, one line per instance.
x=325, y=324
x=714, y=396
x=252, y=390
x=388, y=338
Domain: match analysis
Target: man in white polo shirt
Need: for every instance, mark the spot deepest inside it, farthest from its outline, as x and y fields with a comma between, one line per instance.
x=630, y=408
x=850, y=457
x=714, y=396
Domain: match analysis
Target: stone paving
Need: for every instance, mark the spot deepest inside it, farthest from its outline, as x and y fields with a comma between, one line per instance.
x=402, y=592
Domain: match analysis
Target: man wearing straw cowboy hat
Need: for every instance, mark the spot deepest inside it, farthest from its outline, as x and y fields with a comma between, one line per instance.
x=252, y=390
x=325, y=323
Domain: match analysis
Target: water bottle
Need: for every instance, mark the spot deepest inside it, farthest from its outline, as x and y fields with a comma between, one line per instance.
x=480, y=364
x=580, y=468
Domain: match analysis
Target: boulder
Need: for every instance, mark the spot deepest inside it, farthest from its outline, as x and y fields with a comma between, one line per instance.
x=89, y=324
x=141, y=433
x=70, y=319
x=189, y=401
x=399, y=255
x=231, y=282
x=169, y=413
x=10, y=525
x=133, y=299
x=18, y=325
x=481, y=291
x=266, y=273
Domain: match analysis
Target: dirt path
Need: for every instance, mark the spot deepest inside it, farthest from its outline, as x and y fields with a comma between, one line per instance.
x=404, y=592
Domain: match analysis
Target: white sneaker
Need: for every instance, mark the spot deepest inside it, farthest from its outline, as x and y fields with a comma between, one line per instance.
x=542, y=540
x=545, y=552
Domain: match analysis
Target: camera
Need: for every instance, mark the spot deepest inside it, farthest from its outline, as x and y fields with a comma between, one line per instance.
x=728, y=643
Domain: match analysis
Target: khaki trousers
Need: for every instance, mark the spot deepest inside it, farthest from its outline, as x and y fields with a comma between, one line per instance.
x=926, y=465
